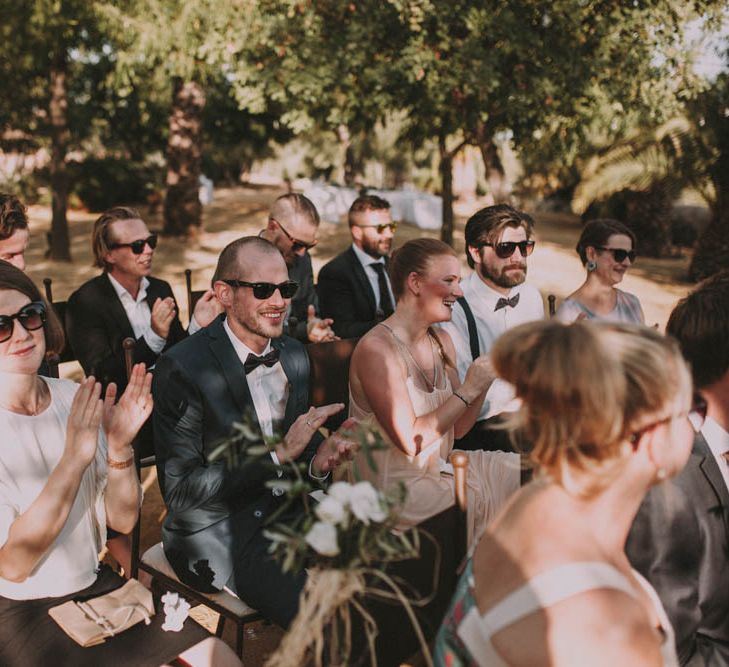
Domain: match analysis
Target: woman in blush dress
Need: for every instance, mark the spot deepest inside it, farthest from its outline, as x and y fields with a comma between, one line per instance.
x=607, y=251
x=403, y=382
x=66, y=472
x=607, y=410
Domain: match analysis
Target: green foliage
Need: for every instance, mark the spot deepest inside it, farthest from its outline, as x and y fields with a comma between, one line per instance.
x=101, y=183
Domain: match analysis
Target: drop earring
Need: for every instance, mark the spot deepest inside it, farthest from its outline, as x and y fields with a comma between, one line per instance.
x=591, y=266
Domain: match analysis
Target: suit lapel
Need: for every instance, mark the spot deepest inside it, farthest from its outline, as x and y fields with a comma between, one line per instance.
x=231, y=366
x=713, y=475
x=298, y=381
x=110, y=300
x=364, y=283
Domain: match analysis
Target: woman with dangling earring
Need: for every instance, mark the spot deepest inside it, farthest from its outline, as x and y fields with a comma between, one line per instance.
x=607, y=250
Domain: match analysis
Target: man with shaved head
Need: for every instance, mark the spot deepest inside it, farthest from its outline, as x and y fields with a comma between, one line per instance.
x=292, y=226
x=213, y=533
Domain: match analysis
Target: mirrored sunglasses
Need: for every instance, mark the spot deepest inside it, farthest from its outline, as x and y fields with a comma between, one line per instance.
x=508, y=248
x=138, y=245
x=32, y=316
x=265, y=290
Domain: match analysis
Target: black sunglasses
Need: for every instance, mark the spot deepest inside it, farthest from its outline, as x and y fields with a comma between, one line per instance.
x=507, y=248
x=392, y=226
x=265, y=290
x=138, y=245
x=32, y=316
x=295, y=243
x=619, y=254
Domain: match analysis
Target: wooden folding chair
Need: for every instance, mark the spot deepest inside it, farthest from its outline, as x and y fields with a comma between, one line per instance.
x=154, y=562
x=193, y=296
x=329, y=375
x=67, y=353
x=552, y=300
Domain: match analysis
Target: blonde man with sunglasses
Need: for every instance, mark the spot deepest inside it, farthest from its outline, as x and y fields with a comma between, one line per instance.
x=495, y=299
x=354, y=288
x=293, y=223
x=126, y=301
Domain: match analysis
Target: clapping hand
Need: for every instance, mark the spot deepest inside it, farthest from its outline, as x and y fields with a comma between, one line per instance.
x=339, y=447
x=479, y=376
x=163, y=312
x=123, y=420
x=303, y=429
x=318, y=330
x=84, y=419
x=207, y=309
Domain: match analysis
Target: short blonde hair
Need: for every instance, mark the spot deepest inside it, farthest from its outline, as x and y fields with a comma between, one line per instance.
x=586, y=387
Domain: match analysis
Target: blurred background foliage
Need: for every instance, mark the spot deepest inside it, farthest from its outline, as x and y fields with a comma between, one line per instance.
x=595, y=107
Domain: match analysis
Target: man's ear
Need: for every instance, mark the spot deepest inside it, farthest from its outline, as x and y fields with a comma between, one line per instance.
x=224, y=293
x=356, y=233
x=475, y=254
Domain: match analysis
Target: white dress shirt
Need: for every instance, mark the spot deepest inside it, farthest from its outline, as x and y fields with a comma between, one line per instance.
x=718, y=440
x=138, y=313
x=366, y=261
x=490, y=324
x=269, y=389
x=269, y=386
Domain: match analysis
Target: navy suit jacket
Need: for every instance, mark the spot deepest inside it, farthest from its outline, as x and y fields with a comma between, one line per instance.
x=346, y=296
x=680, y=543
x=200, y=389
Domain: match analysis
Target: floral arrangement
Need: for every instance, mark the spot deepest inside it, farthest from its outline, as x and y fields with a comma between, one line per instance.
x=344, y=537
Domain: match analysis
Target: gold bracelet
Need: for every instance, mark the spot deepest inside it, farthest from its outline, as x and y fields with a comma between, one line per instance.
x=120, y=465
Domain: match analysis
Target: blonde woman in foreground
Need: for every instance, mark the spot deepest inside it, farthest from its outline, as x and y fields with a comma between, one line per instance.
x=607, y=410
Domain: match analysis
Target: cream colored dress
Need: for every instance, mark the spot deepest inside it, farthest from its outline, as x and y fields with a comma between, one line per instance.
x=492, y=476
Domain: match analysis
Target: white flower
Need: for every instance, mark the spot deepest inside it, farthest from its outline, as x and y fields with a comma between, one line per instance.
x=342, y=491
x=322, y=537
x=365, y=503
x=330, y=510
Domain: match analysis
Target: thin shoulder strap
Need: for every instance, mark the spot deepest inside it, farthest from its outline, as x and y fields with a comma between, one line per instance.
x=551, y=587
x=472, y=331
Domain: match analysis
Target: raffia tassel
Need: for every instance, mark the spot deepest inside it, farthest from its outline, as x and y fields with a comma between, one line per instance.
x=326, y=595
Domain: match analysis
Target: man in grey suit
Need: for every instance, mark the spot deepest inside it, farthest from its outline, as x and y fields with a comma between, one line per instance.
x=680, y=538
x=213, y=532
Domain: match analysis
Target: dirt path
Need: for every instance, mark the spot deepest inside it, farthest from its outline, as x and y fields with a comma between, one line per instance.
x=554, y=268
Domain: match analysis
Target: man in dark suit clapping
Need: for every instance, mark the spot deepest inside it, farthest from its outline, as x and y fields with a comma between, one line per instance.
x=680, y=538
x=126, y=301
x=354, y=288
x=213, y=533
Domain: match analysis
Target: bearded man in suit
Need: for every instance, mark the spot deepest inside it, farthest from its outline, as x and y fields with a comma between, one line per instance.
x=354, y=288
x=680, y=538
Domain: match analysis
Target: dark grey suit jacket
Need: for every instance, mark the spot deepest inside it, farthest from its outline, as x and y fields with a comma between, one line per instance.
x=200, y=389
x=345, y=295
x=680, y=543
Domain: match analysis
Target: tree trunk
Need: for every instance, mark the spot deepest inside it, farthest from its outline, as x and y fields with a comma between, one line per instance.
x=499, y=188
x=648, y=215
x=446, y=180
x=350, y=162
x=183, y=210
x=712, y=248
x=59, y=242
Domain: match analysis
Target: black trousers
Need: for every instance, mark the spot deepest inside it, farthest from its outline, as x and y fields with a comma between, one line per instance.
x=488, y=435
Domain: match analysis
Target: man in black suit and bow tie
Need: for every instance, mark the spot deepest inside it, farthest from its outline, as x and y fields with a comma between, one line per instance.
x=126, y=301
x=354, y=288
x=680, y=538
x=213, y=533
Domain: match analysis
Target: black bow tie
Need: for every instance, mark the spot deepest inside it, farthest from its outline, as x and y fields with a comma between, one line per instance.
x=253, y=362
x=503, y=303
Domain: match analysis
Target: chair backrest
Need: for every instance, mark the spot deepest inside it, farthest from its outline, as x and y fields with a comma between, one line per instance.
x=329, y=375
x=552, y=300
x=67, y=354
x=193, y=296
